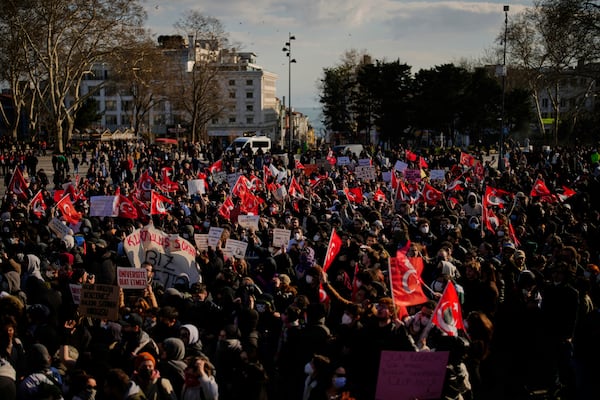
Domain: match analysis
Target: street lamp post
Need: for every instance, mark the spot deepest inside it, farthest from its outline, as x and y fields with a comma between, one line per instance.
x=288, y=50
x=501, y=165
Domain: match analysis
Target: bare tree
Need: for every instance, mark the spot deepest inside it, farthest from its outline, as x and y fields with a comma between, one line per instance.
x=140, y=71
x=64, y=38
x=197, y=88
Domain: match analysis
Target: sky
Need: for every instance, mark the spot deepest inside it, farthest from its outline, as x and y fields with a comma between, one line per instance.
x=422, y=34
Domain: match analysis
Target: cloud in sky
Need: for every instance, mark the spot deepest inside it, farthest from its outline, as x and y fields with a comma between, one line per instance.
x=420, y=33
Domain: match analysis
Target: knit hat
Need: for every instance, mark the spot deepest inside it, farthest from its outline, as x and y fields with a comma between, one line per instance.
x=142, y=357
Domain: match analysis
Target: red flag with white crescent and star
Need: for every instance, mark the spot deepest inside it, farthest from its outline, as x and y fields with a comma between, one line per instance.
x=540, y=189
x=448, y=314
x=18, y=184
x=405, y=277
x=217, y=166
x=67, y=209
x=493, y=197
x=145, y=182
x=126, y=208
x=335, y=245
x=431, y=195
x=38, y=205
x=158, y=204
x=226, y=207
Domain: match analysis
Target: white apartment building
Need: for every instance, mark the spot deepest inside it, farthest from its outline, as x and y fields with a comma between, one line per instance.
x=248, y=93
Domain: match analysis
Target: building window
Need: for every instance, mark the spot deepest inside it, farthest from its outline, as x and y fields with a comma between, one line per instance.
x=249, y=95
x=249, y=107
x=232, y=82
x=110, y=105
x=214, y=121
x=111, y=119
x=545, y=103
x=232, y=95
x=231, y=120
x=249, y=82
x=249, y=120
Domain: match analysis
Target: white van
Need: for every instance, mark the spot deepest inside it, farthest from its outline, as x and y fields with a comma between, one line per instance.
x=343, y=148
x=254, y=143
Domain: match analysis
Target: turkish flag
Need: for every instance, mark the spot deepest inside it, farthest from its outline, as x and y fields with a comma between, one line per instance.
x=38, y=205
x=226, y=207
x=241, y=187
x=467, y=159
x=479, y=170
x=431, y=195
x=394, y=179
x=410, y=156
x=335, y=245
x=145, y=182
x=490, y=219
x=405, y=277
x=266, y=173
x=126, y=208
x=422, y=163
x=540, y=189
x=67, y=209
x=166, y=183
x=298, y=165
x=18, y=184
x=250, y=204
x=157, y=203
x=379, y=196
x=493, y=197
x=295, y=190
x=217, y=166
x=567, y=192
x=447, y=314
x=256, y=184
x=455, y=185
x=354, y=195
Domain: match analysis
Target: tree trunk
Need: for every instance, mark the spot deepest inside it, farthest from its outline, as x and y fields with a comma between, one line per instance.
x=59, y=136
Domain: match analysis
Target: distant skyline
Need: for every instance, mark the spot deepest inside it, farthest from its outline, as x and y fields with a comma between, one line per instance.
x=422, y=34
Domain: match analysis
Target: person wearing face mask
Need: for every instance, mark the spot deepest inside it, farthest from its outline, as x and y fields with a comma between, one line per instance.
x=297, y=241
x=147, y=377
x=318, y=377
x=423, y=234
x=133, y=342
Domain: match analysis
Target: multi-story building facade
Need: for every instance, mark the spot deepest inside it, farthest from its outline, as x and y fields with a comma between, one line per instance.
x=248, y=94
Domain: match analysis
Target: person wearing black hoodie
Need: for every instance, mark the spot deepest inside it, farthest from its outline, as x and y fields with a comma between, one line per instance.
x=171, y=365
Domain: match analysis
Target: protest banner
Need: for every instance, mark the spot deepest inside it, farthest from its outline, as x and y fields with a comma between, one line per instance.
x=437, y=174
x=232, y=180
x=219, y=177
x=132, y=278
x=201, y=240
x=386, y=176
x=100, y=301
x=214, y=235
x=235, y=248
x=248, y=221
x=104, y=206
x=411, y=375
x=196, y=186
x=400, y=166
x=75, y=292
x=364, y=162
x=281, y=237
x=59, y=229
x=170, y=255
x=345, y=160
x=413, y=175
x=280, y=193
x=365, y=173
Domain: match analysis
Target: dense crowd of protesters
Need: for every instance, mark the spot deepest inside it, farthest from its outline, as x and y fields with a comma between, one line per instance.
x=273, y=325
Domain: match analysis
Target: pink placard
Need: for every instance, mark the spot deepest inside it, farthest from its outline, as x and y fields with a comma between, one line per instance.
x=411, y=375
